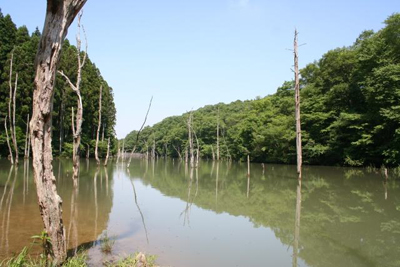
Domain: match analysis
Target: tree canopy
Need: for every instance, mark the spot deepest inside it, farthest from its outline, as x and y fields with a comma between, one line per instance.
x=24, y=46
x=350, y=112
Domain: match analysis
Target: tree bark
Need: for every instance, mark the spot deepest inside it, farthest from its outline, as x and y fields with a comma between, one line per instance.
x=190, y=139
x=11, y=114
x=96, y=155
x=297, y=102
x=59, y=16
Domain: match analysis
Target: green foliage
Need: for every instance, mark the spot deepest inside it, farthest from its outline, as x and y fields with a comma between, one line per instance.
x=350, y=108
x=24, y=47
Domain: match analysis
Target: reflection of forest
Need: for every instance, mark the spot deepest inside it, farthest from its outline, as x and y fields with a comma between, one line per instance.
x=345, y=219
x=79, y=207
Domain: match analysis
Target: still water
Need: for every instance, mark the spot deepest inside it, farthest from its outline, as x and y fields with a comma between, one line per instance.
x=214, y=215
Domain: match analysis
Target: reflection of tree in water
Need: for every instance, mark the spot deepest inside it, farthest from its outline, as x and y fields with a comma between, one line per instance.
x=345, y=220
x=79, y=228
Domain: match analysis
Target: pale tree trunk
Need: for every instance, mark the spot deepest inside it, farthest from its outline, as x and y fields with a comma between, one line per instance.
x=190, y=139
x=62, y=109
x=177, y=151
x=59, y=16
x=102, y=134
x=218, y=135
x=197, y=149
x=248, y=165
x=11, y=112
x=297, y=101
x=212, y=151
x=26, y=138
x=77, y=125
x=96, y=155
x=8, y=141
x=108, y=152
x=14, y=133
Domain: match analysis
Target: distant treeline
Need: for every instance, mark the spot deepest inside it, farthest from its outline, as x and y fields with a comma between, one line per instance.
x=350, y=112
x=23, y=46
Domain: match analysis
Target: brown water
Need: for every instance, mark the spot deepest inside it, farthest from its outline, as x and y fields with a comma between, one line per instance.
x=214, y=216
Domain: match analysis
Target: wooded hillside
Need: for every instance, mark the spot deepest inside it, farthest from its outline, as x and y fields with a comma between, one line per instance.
x=350, y=112
x=23, y=46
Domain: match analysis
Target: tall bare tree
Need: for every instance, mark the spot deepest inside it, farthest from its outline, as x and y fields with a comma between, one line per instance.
x=218, y=135
x=59, y=16
x=297, y=101
x=96, y=155
x=108, y=152
x=11, y=115
x=77, y=123
x=26, y=138
x=190, y=139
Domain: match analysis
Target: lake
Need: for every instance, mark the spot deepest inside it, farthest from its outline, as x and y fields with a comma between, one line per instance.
x=214, y=215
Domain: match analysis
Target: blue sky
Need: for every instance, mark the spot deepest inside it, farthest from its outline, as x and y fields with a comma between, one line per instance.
x=188, y=54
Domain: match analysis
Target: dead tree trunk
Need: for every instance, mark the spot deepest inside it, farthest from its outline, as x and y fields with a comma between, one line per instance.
x=297, y=102
x=218, y=135
x=11, y=115
x=59, y=16
x=77, y=125
x=248, y=165
x=26, y=138
x=212, y=151
x=108, y=152
x=14, y=133
x=190, y=139
x=8, y=142
x=96, y=155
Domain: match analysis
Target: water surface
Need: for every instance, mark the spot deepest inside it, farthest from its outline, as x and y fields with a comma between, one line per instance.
x=214, y=215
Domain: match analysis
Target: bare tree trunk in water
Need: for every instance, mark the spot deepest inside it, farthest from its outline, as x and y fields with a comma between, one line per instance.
x=14, y=134
x=98, y=129
x=212, y=151
x=297, y=100
x=108, y=152
x=11, y=115
x=218, y=135
x=190, y=139
x=77, y=125
x=62, y=109
x=248, y=165
x=26, y=138
x=8, y=142
x=59, y=16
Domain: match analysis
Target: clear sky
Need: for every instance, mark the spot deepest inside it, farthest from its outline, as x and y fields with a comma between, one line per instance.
x=188, y=54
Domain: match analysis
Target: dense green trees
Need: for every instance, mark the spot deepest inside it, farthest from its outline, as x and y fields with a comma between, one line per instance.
x=25, y=46
x=350, y=112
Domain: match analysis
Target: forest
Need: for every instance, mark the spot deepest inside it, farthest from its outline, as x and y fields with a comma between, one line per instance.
x=22, y=45
x=350, y=103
